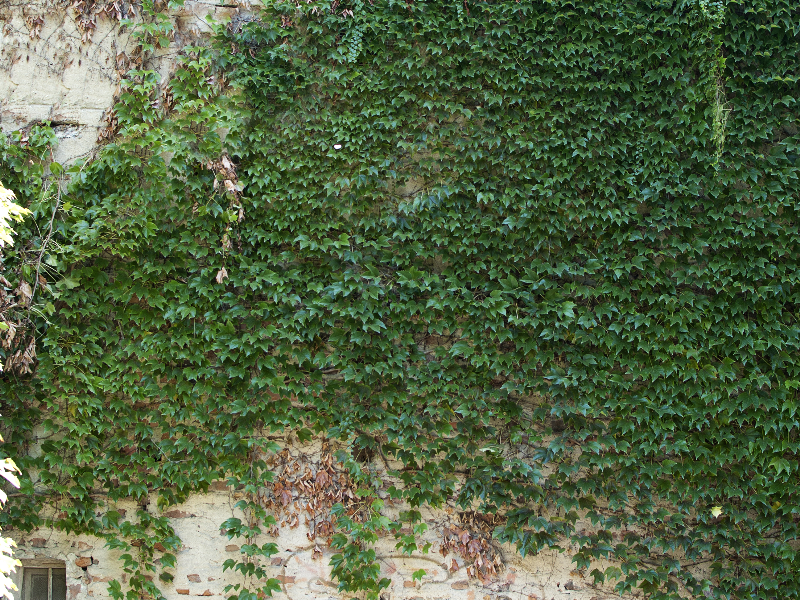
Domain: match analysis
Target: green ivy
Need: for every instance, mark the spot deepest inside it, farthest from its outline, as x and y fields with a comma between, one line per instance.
x=544, y=254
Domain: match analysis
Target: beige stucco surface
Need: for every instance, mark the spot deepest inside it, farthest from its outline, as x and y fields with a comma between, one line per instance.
x=302, y=563
x=304, y=575
x=50, y=71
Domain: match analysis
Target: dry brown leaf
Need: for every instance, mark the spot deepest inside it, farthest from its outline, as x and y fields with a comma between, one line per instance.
x=12, y=331
x=222, y=275
x=25, y=293
x=323, y=479
x=22, y=360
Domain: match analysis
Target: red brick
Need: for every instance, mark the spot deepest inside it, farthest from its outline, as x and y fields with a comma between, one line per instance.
x=194, y=578
x=231, y=548
x=409, y=584
x=286, y=578
x=206, y=593
x=460, y=585
x=38, y=542
x=83, y=561
x=177, y=514
x=182, y=592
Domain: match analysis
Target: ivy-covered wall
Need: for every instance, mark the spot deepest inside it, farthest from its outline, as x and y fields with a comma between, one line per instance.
x=300, y=565
x=62, y=62
x=533, y=262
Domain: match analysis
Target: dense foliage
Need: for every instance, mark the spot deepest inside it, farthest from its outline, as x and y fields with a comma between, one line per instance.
x=544, y=254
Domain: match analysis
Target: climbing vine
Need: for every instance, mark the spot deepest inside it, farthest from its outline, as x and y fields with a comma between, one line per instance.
x=539, y=258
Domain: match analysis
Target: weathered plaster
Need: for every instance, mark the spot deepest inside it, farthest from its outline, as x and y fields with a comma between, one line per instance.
x=302, y=563
x=49, y=73
x=304, y=576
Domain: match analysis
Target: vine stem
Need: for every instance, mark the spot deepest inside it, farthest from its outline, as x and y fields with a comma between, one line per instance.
x=47, y=238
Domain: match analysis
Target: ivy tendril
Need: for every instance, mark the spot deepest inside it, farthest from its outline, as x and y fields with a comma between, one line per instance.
x=356, y=33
